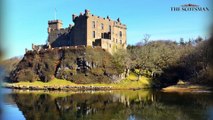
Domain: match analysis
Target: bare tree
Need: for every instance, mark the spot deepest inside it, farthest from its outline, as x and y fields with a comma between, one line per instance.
x=146, y=38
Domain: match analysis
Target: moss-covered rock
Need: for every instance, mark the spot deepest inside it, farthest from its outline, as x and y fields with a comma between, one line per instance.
x=80, y=65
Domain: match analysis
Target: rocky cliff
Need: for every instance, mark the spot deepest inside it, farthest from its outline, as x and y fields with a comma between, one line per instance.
x=79, y=65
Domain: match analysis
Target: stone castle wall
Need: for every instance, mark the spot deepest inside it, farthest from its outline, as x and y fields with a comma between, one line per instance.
x=89, y=30
x=58, y=38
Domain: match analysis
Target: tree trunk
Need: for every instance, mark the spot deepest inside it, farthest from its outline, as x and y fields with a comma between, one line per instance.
x=139, y=76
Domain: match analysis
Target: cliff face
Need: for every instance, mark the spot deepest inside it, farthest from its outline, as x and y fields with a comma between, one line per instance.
x=79, y=65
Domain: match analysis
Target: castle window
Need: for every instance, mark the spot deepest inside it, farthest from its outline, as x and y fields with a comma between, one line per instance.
x=102, y=26
x=110, y=28
x=102, y=35
x=93, y=34
x=120, y=34
x=120, y=41
x=116, y=40
x=93, y=24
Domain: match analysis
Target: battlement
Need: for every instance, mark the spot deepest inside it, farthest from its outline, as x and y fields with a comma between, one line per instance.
x=87, y=30
x=88, y=14
x=54, y=25
x=54, y=21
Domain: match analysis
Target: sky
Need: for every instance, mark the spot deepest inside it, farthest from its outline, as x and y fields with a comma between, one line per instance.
x=26, y=21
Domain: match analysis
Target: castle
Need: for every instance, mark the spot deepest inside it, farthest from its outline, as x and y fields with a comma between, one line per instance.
x=88, y=30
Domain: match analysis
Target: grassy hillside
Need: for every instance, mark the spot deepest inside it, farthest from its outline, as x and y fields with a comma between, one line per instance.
x=10, y=64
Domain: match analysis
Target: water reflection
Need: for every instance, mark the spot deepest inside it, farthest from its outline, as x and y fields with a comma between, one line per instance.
x=116, y=105
x=10, y=111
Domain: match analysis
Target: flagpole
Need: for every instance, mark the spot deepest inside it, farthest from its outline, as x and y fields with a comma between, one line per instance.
x=55, y=13
x=55, y=10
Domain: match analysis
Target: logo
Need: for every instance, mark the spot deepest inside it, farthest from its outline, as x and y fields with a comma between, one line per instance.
x=189, y=8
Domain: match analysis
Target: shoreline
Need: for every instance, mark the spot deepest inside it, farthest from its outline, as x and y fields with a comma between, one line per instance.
x=67, y=87
x=174, y=88
x=187, y=88
x=129, y=83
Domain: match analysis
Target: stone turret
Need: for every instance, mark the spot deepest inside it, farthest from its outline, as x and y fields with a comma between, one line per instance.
x=54, y=25
x=73, y=17
x=87, y=12
x=118, y=20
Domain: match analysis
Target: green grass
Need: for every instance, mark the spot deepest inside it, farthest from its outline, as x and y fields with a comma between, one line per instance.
x=54, y=82
x=130, y=82
x=186, y=88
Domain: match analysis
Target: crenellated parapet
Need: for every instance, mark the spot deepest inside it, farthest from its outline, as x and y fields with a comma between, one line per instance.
x=54, y=25
x=38, y=47
x=87, y=30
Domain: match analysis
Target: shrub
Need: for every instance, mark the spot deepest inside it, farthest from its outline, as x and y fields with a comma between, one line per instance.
x=27, y=75
x=97, y=71
x=81, y=79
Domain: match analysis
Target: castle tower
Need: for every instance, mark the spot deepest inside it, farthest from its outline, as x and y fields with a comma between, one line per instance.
x=89, y=30
x=54, y=25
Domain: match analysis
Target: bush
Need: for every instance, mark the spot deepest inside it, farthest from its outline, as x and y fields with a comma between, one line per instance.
x=81, y=79
x=27, y=75
x=97, y=71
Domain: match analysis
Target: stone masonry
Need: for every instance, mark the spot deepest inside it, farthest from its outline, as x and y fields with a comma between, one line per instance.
x=88, y=30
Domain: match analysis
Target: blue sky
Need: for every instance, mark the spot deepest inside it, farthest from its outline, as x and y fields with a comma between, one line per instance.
x=26, y=20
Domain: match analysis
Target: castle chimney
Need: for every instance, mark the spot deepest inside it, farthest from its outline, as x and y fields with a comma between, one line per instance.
x=73, y=17
x=87, y=12
x=118, y=20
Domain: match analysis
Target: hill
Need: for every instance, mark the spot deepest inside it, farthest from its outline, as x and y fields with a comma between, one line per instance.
x=79, y=65
x=10, y=64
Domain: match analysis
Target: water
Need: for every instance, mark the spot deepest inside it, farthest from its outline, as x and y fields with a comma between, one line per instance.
x=111, y=105
x=10, y=111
